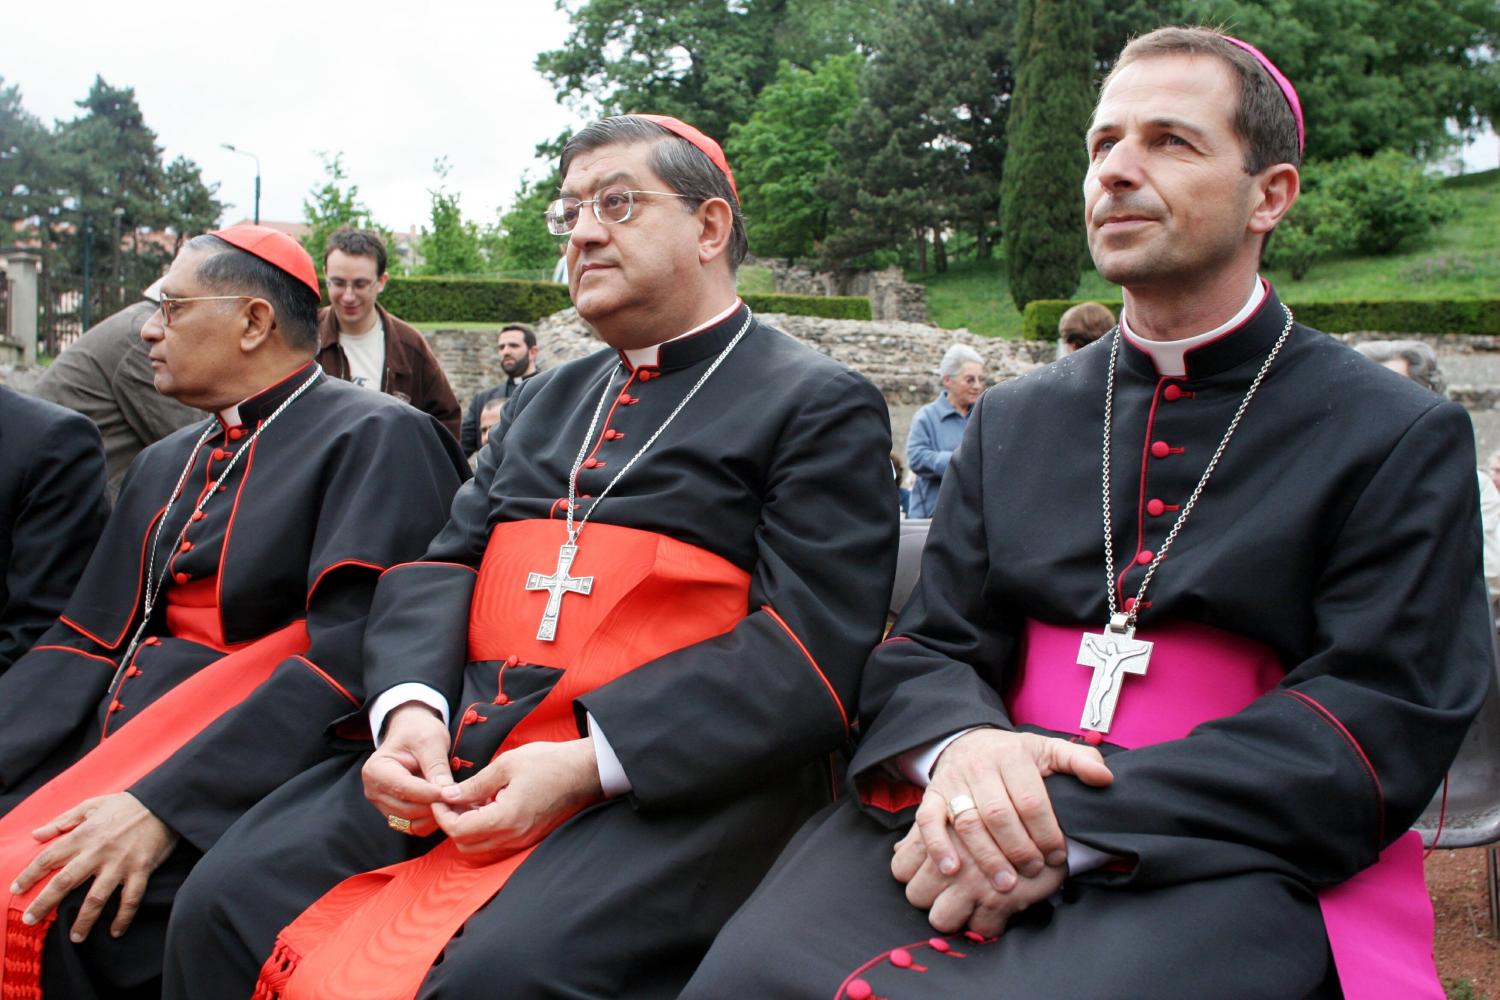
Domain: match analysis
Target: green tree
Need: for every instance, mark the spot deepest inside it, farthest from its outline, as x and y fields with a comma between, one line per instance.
x=519, y=241
x=451, y=246
x=701, y=60
x=332, y=205
x=26, y=161
x=1391, y=199
x=1044, y=171
x=1397, y=77
x=190, y=206
x=922, y=152
x=783, y=151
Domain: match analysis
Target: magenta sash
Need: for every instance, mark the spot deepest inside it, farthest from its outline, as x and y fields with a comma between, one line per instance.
x=1380, y=922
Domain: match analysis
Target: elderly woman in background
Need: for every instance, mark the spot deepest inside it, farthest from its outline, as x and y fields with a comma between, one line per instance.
x=938, y=427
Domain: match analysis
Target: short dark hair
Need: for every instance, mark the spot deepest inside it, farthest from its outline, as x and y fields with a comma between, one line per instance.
x=527, y=332
x=685, y=168
x=1263, y=119
x=230, y=269
x=1085, y=323
x=356, y=243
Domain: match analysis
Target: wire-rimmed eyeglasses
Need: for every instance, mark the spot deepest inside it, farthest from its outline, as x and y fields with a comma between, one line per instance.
x=168, y=304
x=613, y=205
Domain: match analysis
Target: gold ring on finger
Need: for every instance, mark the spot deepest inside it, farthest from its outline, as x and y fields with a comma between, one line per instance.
x=398, y=823
x=960, y=804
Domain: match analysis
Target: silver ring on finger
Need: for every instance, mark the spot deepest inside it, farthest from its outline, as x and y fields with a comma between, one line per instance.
x=960, y=804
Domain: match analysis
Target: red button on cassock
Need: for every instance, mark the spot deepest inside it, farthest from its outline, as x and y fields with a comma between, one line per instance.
x=1172, y=393
x=219, y=454
x=186, y=546
x=1145, y=556
x=1129, y=603
x=858, y=989
x=590, y=463
x=235, y=433
x=1160, y=449
x=938, y=944
x=502, y=698
x=901, y=958
x=1155, y=508
x=198, y=515
x=181, y=577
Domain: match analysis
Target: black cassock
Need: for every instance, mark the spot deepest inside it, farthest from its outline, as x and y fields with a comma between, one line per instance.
x=52, y=508
x=342, y=485
x=1339, y=534
x=778, y=466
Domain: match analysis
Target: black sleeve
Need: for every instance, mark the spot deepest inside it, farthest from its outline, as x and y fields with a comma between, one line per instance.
x=918, y=686
x=58, y=518
x=409, y=471
x=419, y=625
x=1316, y=777
x=771, y=694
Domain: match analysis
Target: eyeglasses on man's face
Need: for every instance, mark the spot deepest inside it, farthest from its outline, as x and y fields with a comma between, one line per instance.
x=967, y=379
x=169, y=305
x=611, y=206
x=337, y=286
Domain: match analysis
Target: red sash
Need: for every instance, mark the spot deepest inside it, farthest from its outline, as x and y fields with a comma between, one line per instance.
x=130, y=753
x=374, y=936
x=1380, y=922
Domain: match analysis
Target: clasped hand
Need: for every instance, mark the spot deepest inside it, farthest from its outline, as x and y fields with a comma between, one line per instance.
x=1009, y=851
x=112, y=839
x=511, y=803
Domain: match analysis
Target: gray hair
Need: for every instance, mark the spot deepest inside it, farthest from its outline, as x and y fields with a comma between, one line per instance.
x=685, y=168
x=956, y=357
x=1421, y=360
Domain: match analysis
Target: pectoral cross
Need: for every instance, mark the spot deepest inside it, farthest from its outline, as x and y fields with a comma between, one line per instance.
x=1111, y=654
x=556, y=585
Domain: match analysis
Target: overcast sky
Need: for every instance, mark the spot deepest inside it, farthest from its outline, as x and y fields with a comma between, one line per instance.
x=390, y=84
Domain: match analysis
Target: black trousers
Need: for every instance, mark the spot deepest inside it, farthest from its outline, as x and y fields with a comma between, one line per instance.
x=617, y=902
x=830, y=913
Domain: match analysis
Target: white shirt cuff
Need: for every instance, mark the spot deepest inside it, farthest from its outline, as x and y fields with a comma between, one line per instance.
x=1083, y=858
x=399, y=695
x=916, y=764
x=611, y=775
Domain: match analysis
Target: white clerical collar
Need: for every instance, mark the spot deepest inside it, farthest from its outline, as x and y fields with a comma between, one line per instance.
x=646, y=357
x=230, y=415
x=1170, y=356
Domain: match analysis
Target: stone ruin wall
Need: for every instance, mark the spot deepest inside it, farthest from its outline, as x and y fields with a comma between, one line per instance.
x=901, y=358
x=891, y=296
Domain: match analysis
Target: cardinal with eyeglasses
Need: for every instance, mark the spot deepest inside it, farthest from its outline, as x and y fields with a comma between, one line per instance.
x=611, y=689
x=211, y=650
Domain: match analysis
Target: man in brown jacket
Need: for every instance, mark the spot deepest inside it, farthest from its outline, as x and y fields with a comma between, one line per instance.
x=360, y=342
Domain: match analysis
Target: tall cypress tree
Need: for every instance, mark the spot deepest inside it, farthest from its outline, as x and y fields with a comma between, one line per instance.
x=1040, y=192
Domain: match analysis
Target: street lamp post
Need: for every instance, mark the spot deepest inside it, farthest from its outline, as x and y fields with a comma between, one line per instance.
x=243, y=152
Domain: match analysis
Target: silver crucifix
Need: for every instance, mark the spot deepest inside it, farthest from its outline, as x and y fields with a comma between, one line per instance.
x=556, y=585
x=1111, y=654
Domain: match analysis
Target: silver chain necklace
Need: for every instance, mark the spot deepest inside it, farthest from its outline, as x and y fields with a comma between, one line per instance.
x=1116, y=651
x=559, y=582
x=153, y=586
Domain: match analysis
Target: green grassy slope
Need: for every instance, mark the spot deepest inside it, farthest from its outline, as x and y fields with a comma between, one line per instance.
x=1460, y=258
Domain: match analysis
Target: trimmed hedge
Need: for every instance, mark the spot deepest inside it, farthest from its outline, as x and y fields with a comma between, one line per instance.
x=473, y=300
x=501, y=300
x=1469, y=316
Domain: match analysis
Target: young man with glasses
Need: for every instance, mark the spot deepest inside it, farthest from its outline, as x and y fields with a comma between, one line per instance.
x=362, y=343
x=212, y=642
x=611, y=689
